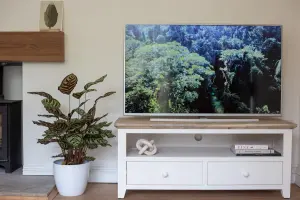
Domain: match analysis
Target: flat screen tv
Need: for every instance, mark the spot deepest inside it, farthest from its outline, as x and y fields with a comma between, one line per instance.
x=202, y=70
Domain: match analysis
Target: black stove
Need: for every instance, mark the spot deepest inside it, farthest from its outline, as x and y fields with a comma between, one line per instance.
x=10, y=128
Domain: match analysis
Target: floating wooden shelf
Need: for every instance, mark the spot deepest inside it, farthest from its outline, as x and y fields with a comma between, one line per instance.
x=32, y=46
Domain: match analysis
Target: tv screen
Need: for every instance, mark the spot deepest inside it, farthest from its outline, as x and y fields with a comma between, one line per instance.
x=202, y=70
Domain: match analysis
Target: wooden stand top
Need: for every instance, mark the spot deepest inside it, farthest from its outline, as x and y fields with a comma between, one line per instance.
x=145, y=123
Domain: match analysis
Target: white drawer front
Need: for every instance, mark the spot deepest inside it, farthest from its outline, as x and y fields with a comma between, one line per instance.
x=244, y=173
x=164, y=173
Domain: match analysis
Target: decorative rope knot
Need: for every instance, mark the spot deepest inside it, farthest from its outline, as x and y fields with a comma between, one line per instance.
x=146, y=147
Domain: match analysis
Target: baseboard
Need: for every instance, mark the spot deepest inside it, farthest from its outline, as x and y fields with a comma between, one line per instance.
x=37, y=170
x=297, y=176
x=103, y=175
x=294, y=173
x=297, y=180
x=98, y=173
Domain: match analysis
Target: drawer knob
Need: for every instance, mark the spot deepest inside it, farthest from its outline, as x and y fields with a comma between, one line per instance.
x=246, y=174
x=165, y=174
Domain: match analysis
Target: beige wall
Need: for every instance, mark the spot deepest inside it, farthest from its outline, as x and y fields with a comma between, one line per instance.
x=94, y=46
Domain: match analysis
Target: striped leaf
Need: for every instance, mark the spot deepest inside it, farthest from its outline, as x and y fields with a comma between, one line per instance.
x=75, y=125
x=63, y=145
x=82, y=103
x=74, y=110
x=68, y=84
x=108, y=133
x=43, y=141
x=102, y=142
x=74, y=140
x=43, y=94
x=92, y=111
x=96, y=139
x=59, y=126
x=102, y=124
x=78, y=95
x=58, y=156
x=43, y=123
x=57, y=112
x=50, y=133
x=99, y=118
x=105, y=95
x=92, y=131
x=47, y=116
x=51, y=103
x=89, y=158
x=80, y=111
x=90, y=137
x=99, y=80
x=89, y=116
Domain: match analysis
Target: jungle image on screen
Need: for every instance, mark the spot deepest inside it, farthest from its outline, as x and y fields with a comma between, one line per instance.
x=202, y=69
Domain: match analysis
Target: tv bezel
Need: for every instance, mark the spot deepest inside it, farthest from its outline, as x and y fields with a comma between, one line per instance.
x=201, y=114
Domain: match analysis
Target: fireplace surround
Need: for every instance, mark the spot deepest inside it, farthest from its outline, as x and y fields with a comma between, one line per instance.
x=10, y=129
x=32, y=46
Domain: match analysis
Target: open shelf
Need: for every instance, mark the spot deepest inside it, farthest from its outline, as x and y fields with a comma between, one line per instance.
x=192, y=153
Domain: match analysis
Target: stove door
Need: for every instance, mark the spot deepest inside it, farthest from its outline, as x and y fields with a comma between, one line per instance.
x=3, y=133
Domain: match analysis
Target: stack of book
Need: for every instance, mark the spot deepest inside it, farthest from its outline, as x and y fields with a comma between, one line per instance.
x=253, y=150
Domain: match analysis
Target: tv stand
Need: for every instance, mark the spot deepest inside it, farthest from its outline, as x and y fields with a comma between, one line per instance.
x=202, y=168
x=202, y=119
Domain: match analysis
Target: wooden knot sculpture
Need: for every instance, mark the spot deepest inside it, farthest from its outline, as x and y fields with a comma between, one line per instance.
x=146, y=147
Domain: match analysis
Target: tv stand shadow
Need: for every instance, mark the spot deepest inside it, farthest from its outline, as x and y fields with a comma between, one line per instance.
x=202, y=168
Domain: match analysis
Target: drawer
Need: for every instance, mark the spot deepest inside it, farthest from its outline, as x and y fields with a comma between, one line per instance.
x=244, y=173
x=164, y=173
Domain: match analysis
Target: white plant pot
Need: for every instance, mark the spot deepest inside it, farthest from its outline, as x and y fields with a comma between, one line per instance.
x=71, y=180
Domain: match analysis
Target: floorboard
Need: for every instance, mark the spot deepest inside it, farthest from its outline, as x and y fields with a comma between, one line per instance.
x=109, y=192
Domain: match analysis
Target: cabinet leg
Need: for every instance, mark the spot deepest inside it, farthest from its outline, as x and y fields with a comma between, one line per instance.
x=287, y=163
x=286, y=192
x=121, y=192
x=122, y=150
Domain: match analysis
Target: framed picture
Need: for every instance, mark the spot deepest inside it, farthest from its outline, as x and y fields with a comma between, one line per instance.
x=51, y=16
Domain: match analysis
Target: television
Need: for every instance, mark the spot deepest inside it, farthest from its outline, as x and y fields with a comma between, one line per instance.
x=202, y=70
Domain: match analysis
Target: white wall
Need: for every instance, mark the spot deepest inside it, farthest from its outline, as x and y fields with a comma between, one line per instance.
x=94, y=46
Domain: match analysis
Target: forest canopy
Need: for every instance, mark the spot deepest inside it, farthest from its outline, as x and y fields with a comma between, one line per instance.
x=202, y=69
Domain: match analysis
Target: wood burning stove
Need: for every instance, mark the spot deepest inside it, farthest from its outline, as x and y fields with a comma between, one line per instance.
x=10, y=131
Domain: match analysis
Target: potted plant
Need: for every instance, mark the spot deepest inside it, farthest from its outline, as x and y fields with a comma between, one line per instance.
x=75, y=132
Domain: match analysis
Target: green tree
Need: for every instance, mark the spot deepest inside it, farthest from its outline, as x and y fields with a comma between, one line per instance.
x=165, y=78
x=241, y=68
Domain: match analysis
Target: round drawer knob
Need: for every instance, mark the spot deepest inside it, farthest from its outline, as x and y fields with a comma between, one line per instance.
x=165, y=174
x=246, y=174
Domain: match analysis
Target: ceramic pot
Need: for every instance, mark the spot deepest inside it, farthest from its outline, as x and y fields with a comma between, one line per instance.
x=71, y=180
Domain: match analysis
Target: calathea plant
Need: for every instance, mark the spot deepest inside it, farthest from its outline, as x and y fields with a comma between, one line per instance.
x=77, y=131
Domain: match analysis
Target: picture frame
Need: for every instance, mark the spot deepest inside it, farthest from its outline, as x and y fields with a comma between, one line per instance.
x=51, y=15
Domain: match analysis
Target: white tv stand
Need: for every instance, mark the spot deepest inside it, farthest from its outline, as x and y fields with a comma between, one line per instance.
x=195, y=168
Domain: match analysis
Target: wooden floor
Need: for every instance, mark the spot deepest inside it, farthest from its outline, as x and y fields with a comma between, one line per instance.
x=109, y=192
